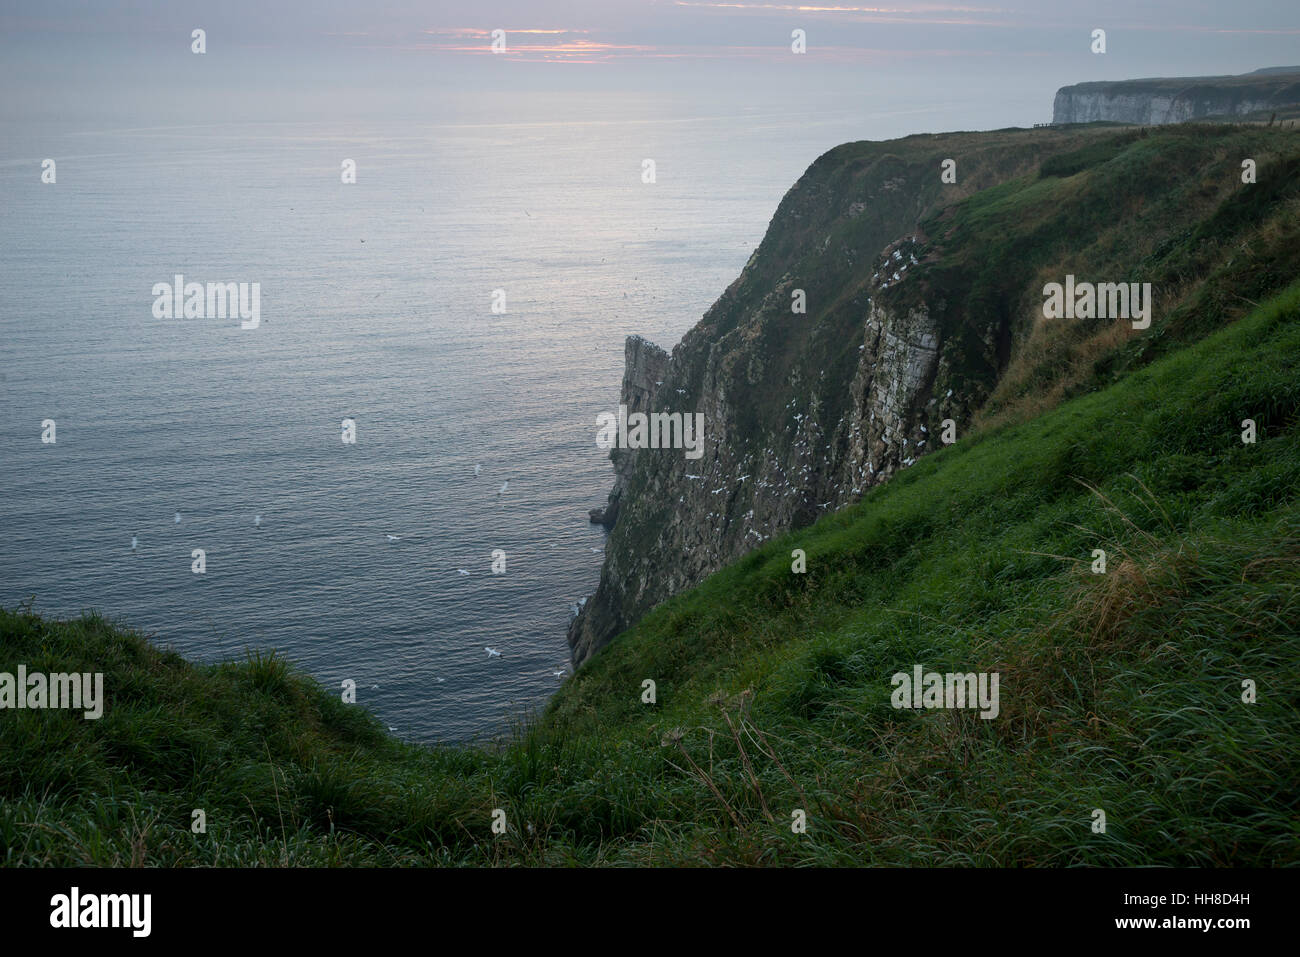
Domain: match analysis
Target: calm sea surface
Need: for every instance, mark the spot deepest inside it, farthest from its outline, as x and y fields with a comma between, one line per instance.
x=376, y=306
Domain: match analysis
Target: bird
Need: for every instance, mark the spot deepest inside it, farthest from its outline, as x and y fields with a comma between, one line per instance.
x=492, y=652
x=178, y=518
x=478, y=470
x=558, y=674
x=257, y=519
x=134, y=543
x=393, y=538
x=504, y=485
x=462, y=571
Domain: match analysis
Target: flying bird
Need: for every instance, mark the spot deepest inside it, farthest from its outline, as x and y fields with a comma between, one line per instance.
x=257, y=519
x=134, y=543
x=502, y=490
x=393, y=538
x=178, y=518
x=492, y=652
x=478, y=470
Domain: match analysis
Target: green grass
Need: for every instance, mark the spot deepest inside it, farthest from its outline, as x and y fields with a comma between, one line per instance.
x=1120, y=692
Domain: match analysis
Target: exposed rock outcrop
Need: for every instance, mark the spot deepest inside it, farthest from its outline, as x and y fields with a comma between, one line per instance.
x=686, y=519
x=644, y=365
x=803, y=412
x=1157, y=101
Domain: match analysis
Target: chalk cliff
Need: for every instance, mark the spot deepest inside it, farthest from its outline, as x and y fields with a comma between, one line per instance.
x=1156, y=101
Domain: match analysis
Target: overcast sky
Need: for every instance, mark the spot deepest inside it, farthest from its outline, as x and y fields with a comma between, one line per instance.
x=597, y=31
x=57, y=53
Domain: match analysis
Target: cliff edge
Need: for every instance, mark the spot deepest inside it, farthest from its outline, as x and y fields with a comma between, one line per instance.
x=1157, y=101
x=891, y=307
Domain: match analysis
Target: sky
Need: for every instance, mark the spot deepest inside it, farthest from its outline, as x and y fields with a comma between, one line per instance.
x=71, y=56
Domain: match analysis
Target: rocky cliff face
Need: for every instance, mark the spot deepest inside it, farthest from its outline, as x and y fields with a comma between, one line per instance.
x=678, y=520
x=644, y=364
x=917, y=291
x=1157, y=101
x=803, y=412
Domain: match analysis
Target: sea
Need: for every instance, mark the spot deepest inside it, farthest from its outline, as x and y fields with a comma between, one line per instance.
x=369, y=561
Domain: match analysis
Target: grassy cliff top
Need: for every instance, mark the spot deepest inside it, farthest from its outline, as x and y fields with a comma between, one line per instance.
x=1266, y=79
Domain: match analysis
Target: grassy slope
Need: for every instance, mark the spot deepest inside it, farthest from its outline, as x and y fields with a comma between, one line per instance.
x=1119, y=691
x=1165, y=207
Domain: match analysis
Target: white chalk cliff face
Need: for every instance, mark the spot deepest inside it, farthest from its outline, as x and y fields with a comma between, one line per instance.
x=1156, y=102
x=1147, y=109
